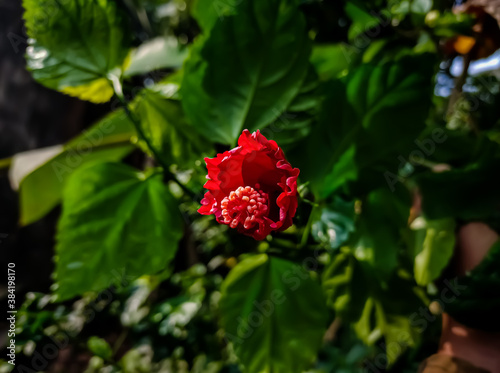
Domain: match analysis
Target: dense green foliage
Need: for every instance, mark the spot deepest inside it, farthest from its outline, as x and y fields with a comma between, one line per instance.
x=348, y=89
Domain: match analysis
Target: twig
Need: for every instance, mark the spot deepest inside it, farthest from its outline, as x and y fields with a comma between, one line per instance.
x=331, y=333
x=307, y=229
x=168, y=175
x=119, y=342
x=457, y=90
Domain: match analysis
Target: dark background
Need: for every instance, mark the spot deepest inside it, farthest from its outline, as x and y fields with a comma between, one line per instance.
x=31, y=117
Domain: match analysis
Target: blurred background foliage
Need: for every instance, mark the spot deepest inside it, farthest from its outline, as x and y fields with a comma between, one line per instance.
x=372, y=100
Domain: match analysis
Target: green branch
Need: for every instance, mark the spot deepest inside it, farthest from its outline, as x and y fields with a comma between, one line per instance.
x=137, y=125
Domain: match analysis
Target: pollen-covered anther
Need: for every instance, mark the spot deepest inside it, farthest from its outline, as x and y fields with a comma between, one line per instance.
x=244, y=206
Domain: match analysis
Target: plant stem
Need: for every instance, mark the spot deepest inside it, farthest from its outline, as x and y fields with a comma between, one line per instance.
x=307, y=229
x=309, y=202
x=168, y=175
x=459, y=83
x=119, y=342
x=281, y=243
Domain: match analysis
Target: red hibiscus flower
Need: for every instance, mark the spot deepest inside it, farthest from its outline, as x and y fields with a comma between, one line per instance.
x=252, y=187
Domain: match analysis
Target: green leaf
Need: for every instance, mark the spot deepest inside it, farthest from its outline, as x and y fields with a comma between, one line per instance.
x=359, y=298
x=368, y=118
x=295, y=122
x=344, y=286
x=208, y=12
x=344, y=170
x=247, y=71
x=75, y=45
x=40, y=190
x=274, y=314
x=449, y=24
x=158, y=53
x=397, y=330
x=330, y=60
x=379, y=247
x=421, y=6
x=116, y=221
x=333, y=223
x=323, y=148
x=451, y=146
x=100, y=347
x=378, y=321
x=165, y=125
x=435, y=242
x=361, y=20
x=476, y=198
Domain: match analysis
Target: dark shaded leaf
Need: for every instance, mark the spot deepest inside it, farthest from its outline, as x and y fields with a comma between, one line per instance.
x=475, y=298
x=476, y=198
x=266, y=318
x=333, y=223
x=247, y=71
x=165, y=125
x=366, y=119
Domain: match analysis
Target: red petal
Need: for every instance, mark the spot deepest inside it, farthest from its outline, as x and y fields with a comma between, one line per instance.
x=256, y=160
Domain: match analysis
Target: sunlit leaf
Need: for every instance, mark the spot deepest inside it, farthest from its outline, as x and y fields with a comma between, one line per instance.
x=100, y=347
x=97, y=91
x=75, y=45
x=435, y=242
x=158, y=53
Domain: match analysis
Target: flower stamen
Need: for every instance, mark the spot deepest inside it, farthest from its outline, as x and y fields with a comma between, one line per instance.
x=245, y=206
